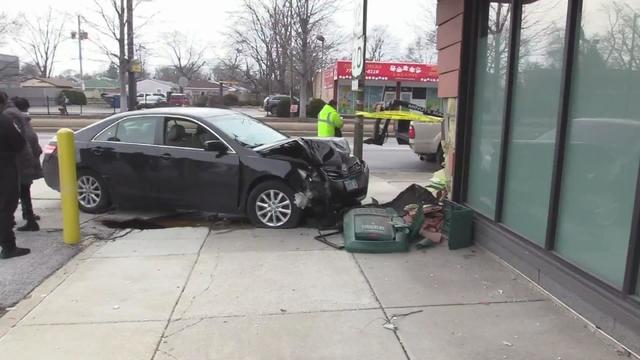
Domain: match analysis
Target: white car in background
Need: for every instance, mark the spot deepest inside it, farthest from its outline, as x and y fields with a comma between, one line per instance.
x=425, y=140
x=148, y=100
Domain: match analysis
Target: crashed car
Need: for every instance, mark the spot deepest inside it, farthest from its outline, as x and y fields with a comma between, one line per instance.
x=210, y=160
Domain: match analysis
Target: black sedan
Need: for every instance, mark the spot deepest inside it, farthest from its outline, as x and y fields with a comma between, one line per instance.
x=211, y=160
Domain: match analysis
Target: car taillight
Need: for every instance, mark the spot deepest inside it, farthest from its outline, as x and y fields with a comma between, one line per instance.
x=50, y=149
x=412, y=132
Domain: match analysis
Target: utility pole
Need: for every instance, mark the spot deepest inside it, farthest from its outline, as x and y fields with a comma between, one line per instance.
x=131, y=55
x=291, y=61
x=360, y=56
x=80, y=38
x=322, y=40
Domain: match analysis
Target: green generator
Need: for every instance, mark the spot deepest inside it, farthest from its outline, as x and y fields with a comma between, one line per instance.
x=375, y=230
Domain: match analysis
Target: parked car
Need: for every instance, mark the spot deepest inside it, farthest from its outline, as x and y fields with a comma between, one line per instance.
x=425, y=140
x=179, y=100
x=148, y=100
x=212, y=160
x=270, y=103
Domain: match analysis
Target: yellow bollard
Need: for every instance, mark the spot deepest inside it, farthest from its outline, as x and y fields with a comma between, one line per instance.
x=68, y=186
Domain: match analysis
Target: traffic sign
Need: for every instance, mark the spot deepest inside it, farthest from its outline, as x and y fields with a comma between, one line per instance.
x=359, y=36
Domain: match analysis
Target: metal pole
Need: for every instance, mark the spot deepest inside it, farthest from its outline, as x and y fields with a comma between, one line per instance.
x=68, y=186
x=358, y=131
x=130, y=55
x=322, y=69
x=80, y=53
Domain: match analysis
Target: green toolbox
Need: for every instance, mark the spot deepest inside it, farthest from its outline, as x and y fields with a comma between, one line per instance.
x=375, y=230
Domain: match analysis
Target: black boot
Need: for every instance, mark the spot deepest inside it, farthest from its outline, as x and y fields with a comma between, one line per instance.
x=13, y=252
x=31, y=225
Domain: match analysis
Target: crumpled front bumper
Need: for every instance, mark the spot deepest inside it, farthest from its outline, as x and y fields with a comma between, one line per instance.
x=338, y=192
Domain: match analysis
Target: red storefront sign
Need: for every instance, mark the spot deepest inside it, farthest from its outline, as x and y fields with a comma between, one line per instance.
x=395, y=71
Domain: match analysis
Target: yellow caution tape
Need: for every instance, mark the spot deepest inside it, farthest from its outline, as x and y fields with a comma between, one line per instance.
x=400, y=115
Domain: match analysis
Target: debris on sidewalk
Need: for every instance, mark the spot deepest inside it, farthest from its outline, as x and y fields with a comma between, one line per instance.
x=506, y=343
x=390, y=325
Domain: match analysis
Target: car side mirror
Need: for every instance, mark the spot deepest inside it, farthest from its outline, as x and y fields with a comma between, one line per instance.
x=216, y=146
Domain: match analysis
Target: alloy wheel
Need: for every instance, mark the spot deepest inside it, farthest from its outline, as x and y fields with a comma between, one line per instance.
x=89, y=191
x=273, y=208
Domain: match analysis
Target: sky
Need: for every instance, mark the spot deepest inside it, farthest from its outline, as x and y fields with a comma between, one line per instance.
x=204, y=21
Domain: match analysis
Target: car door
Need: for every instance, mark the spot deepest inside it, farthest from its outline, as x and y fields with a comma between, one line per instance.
x=126, y=155
x=192, y=177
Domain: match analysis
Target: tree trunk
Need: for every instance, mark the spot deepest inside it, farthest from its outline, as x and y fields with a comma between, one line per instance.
x=122, y=73
x=122, y=59
x=303, y=99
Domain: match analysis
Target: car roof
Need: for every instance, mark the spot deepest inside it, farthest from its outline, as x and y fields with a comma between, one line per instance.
x=201, y=112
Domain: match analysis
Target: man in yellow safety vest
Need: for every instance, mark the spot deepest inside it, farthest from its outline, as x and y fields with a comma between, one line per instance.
x=329, y=120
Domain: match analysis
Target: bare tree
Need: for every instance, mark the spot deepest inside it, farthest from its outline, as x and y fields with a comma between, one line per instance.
x=263, y=35
x=41, y=39
x=380, y=44
x=7, y=25
x=29, y=69
x=422, y=48
x=112, y=14
x=620, y=43
x=187, y=58
x=311, y=17
x=113, y=25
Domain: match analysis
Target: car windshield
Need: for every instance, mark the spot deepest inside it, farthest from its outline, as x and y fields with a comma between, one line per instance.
x=248, y=131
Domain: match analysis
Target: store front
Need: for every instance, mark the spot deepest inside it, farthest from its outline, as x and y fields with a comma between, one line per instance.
x=548, y=144
x=385, y=81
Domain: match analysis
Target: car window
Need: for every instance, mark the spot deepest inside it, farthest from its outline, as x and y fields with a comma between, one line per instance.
x=246, y=130
x=137, y=130
x=187, y=134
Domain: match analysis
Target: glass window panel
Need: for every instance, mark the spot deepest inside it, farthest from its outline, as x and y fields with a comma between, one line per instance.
x=488, y=107
x=603, y=141
x=534, y=114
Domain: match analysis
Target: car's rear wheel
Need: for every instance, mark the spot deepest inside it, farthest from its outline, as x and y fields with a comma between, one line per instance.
x=271, y=205
x=93, y=195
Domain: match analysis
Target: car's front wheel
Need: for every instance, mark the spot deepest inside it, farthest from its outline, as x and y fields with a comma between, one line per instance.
x=93, y=195
x=271, y=204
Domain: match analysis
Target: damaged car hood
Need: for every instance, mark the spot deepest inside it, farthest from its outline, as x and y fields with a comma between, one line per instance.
x=325, y=152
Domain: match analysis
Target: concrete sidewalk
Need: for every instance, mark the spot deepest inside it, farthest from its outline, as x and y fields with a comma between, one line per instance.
x=242, y=293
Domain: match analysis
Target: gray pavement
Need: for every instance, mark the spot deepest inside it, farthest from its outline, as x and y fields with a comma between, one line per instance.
x=195, y=293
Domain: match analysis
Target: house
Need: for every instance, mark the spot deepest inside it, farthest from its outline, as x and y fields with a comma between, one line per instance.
x=155, y=86
x=94, y=88
x=9, y=71
x=52, y=83
x=197, y=88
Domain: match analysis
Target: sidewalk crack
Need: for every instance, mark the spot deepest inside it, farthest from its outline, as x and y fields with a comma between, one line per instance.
x=386, y=315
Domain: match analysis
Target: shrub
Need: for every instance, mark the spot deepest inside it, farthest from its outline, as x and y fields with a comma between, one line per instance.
x=201, y=101
x=230, y=100
x=283, y=109
x=315, y=105
x=215, y=101
x=74, y=97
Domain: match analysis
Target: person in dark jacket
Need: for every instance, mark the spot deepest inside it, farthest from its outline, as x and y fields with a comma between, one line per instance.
x=28, y=164
x=11, y=143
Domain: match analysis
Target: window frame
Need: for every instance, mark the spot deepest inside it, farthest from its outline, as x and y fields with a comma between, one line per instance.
x=163, y=133
x=472, y=25
x=117, y=123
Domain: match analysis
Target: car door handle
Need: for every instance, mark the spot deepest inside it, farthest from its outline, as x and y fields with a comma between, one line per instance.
x=97, y=151
x=165, y=156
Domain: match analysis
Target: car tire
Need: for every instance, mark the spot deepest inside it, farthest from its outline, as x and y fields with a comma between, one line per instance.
x=271, y=205
x=93, y=194
x=436, y=158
